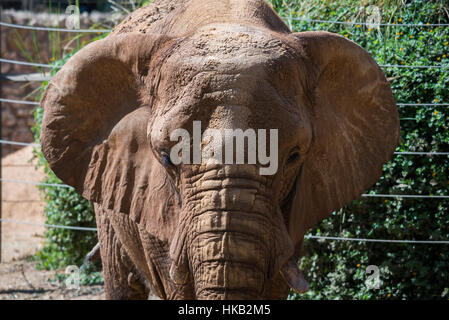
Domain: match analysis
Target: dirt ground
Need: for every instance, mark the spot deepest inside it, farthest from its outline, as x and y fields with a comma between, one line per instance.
x=19, y=279
x=21, y=202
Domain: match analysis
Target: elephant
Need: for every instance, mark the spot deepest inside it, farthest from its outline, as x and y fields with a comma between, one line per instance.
x=212, y=230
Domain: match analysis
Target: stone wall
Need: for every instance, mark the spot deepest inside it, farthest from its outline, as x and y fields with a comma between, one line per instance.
x=39, y=47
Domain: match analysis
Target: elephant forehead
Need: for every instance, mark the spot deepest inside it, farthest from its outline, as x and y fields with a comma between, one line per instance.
x=230, y=48
x=229, y=64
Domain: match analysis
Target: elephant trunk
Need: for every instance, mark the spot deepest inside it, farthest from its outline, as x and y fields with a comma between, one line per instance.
x=229, y=255
x=231, y=240
x=233, y=254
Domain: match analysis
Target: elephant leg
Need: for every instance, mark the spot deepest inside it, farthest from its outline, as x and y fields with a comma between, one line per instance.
x=121, y=279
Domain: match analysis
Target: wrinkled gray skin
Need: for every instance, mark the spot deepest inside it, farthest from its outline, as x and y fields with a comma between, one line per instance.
x=214, y=231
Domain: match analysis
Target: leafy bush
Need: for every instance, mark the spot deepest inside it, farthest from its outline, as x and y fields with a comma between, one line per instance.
x=337, y=269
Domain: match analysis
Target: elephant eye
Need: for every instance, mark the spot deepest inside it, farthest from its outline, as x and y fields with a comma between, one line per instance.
x=294, y=157
x=166, y=161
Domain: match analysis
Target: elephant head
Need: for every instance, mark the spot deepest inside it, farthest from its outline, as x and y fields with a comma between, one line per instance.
x=229, y=231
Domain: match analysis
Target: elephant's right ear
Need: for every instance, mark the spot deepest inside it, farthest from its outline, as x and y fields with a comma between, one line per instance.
x=93, y=132
x=355, y=125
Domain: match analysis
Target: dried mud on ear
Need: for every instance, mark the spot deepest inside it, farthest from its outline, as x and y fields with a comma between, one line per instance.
x=94, y=128
x=355, y=128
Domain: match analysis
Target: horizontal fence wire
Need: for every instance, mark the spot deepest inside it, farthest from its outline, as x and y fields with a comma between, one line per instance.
x=423, y=104
x=377, y=240
x=306, y=236
x=21, y=201
x=18, y=143
x=42, y=65
x=26, y=77
x=16, y=165
x=43, y=184
x=48, y=225
x=398, y=104
x=20, y=101
x=423, y=153
x=443, y=66
x=20, y=26
x=32, y=64
x=417, y=196
x=369, y=24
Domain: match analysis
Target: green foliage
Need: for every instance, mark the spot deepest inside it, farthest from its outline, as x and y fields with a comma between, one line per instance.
x=63, y=206
x=337, y=269
x=146, y=2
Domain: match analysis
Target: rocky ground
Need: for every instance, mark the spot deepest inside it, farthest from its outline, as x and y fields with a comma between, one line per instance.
x=20, y=280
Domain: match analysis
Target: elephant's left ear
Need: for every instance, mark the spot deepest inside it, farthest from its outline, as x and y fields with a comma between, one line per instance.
x=355, y=127
x=95, y=120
